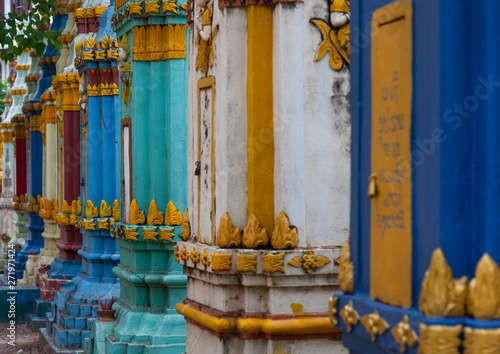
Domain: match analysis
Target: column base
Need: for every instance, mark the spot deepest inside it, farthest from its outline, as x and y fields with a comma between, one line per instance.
x=74, y=311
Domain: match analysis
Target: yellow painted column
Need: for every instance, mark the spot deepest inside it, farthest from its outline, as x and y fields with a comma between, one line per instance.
x=260, y=134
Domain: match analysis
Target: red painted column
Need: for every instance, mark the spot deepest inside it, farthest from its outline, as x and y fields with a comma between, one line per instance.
x=71, y=238
x=21, y=181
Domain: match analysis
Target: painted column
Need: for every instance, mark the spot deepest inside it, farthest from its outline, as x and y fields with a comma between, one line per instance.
x=268, y=177
x=153, y=130
x=76, y=303
x=7, y=241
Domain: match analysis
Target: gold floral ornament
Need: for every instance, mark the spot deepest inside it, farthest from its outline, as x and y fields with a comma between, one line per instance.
x=78, y=207
x=131, y=233
x=155, y=217
x=272, y=263
x=173, y=217
x=309, y=262
x=205, y=260
x=116, y=210
x=136, y=216
x=105, y=209
x=195, y=256
x=91, y=210
x=441, y=295
x=227, y=235
x=125, y=69
x=349, y=316
x=72, y=215
x=246, y=262
x=484, y=290
x=149, y=233
x=335, y=34
x=184, y=254
x=169, y=6
x=151, y=7
x=254, y=236
x=479, y=341
x=103, y=224
x=374, y=324
x=135, y=8
x=89, y=224
x=439, y=339
x=166, y=234
x=403, y=335
x=333, y=304
x=221, y=262
x=186, y=227
x=284, y=236
x=346, y=269
x=176, y=253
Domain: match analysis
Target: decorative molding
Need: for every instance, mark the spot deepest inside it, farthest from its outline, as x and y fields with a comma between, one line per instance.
x=441, y=295
x=136, y=216
x=484, y=290
x=284, y=236
x=131, y=233
x=439, y=339
x=103, y=224
x=333, y=304
x=155, y=217
x=227, y=235
x=194, y=256
x=184, y=254
x=205, y=260
x=481, y=341
x=166, y=234
x=204, y=38
x=254, y=236
x=309, y=262
x=403, y=334
x=159, y=42
x=221, y=262
x=89, y=224
x=246, y=262
x=105, y=209
x=151, y=7
x=173, y=217
x=349, y=316
x=272, y=263
x=149, y=233
x=346, y=269
x=374, y=324
x=186, y=227
x=335, y=36
x=176, y=253
x=243, y=3
x=91, y=210
x=116, y=210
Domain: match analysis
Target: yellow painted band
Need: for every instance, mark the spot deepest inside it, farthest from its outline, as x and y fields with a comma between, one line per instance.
x=247, y=326
x=260, y=139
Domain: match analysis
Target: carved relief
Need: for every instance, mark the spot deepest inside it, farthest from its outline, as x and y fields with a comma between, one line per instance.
x=221, y=261
x=186, y=227
x=227, y=234
x=131, y=234
x=124, y=69
x=374, y=324
x=346, y=269
x=439, y=339
x=91, y=210
x=246, y=262
x=105, y=209
x=349, y=316
x=403, y=334
x=195, y=256
x=205, y=260
x=173, y=217
x=441, y=295
x=273, y=263
x=166, y=234
x=116, y=210
x=136, y=216
x=484, y=290
x=335, y=34
x=309, y=262
x=333, y=304
x=155, y=217
x=254, y=236
x=204, y=37
x=284, y=236
x=479, y=341
x=149, y=233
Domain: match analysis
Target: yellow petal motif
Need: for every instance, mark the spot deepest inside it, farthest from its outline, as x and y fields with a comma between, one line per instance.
x=136, y=216
x=173, y=217
x=155, y=217
x=227, y=234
